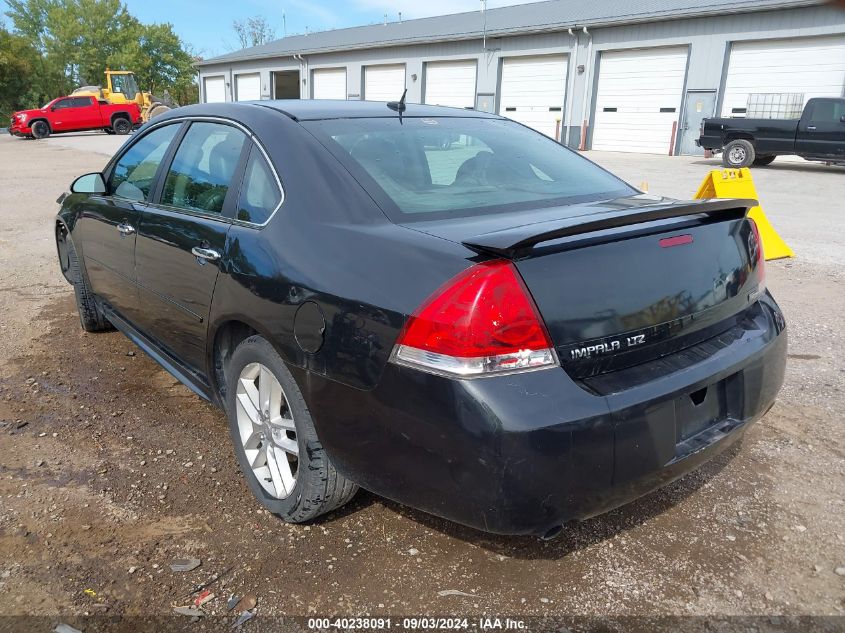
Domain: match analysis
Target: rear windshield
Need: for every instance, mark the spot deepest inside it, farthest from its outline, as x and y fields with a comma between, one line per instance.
x=426, y=168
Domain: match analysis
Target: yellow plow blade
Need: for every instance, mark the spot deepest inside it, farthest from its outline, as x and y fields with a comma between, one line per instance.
x=737, y=183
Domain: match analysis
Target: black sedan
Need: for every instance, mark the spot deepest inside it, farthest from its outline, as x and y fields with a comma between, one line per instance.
x=441, y=306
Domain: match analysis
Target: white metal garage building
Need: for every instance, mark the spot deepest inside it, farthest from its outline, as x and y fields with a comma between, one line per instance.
x=612, y=75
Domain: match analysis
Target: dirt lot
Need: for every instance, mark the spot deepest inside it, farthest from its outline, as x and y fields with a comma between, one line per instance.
x=110, y=469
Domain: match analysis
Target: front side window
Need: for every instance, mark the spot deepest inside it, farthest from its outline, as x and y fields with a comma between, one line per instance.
x=61, y=104
x=827, y=111
x=203, y=167
x=134, y=173
x=427, y=168
x=260, y=194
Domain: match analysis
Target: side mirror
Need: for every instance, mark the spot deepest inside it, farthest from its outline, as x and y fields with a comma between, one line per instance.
x=89, y=183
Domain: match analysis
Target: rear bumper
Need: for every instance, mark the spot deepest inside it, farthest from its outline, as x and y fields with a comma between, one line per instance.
x=523, y=454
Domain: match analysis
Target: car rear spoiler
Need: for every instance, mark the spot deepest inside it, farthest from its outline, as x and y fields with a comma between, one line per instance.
x=508, y=242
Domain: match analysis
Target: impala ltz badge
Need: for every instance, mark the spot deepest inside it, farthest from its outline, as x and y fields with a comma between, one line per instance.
x=607, y=347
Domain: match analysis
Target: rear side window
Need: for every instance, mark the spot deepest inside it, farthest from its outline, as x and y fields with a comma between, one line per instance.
x=134, y=173
x=203, y=167
x=260, y=194
x=81, y=102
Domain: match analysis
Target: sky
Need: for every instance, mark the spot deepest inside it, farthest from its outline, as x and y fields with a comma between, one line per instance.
x=206, y=25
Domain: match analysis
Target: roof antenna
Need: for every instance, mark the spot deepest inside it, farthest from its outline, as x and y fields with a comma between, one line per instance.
x=398, y=106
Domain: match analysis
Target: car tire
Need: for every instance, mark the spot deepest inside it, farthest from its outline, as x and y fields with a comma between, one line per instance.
x=738, y=153
x=91, y=316
x=121, y=126
x=40, y=129
x=264, y=441
x=762, y=161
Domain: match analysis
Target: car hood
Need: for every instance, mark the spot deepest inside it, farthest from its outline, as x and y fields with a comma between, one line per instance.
x=29, y=113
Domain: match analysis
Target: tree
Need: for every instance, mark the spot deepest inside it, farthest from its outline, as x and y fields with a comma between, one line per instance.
x=159, y=58
x=76, y=40
x=76, y=36
x=17, y=64
x=26, y=80
x=30, y=19
x=254, y=31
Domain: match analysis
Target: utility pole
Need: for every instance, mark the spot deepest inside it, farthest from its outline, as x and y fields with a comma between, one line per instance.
x=284, y=22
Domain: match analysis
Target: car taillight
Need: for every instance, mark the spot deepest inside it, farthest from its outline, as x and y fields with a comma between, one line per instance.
x=757, y=251
x=482, y=322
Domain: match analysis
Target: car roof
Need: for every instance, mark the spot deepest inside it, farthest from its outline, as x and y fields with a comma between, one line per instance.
x=317, y=109
x=312, y=109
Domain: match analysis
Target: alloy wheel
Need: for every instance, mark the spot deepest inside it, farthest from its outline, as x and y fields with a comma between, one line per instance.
x=267, y=430
x=737, y=155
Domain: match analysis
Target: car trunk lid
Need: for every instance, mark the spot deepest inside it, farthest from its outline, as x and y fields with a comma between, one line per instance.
x=624, y=282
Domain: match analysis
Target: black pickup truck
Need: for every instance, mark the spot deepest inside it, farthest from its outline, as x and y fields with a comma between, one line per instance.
x=818, y=135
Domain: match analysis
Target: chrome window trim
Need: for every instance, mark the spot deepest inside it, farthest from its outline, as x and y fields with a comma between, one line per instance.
x=258, y=144
x=205, y=215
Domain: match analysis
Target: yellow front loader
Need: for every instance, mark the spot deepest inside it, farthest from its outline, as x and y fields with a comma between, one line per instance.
x=121, y=88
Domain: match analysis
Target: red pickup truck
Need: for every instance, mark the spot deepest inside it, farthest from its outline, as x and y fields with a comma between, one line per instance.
x=72, y=114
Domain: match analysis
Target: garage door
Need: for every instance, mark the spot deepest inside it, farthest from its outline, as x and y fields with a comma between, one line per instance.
x=248, y=87
x=813, y=67
x=450, y=83
x=214, y=89
x=533, y=90
x=329, y=83
x=638, y=99
x=384, y=83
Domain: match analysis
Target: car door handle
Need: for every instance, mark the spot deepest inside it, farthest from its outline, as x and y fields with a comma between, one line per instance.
x=125, y=229
x=205, y=253
x=812, y=128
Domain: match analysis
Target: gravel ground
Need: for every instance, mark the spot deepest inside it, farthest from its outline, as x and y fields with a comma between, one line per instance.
x=110, y=469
